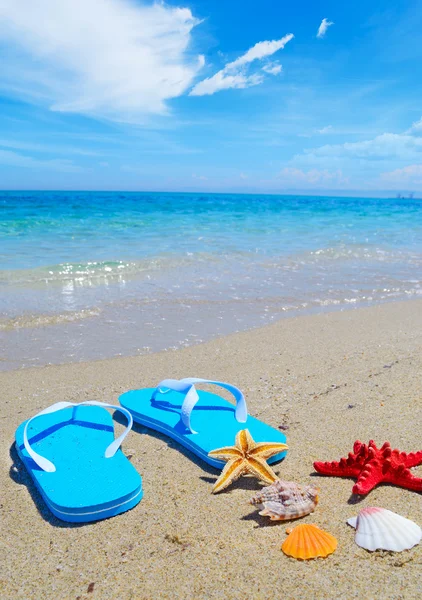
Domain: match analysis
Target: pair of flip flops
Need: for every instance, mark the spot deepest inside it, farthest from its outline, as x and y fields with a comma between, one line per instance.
x=71, y=454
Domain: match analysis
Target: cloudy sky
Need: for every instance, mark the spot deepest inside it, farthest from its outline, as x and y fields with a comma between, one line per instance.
x=273, y=96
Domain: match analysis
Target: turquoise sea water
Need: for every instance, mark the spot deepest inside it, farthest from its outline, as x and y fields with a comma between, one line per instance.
x=89, y=275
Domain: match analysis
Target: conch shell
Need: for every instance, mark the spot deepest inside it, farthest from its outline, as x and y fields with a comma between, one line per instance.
x=285, y=500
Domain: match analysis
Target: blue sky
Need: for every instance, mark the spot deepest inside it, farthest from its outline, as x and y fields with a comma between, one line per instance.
x=270, y=96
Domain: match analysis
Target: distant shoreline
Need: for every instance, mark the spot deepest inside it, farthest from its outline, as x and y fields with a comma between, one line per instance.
x=383, y=194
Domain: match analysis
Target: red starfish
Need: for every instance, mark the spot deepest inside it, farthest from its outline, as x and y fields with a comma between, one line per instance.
x=372, y=465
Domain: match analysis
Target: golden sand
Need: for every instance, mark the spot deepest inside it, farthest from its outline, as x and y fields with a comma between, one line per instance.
x=327, y=380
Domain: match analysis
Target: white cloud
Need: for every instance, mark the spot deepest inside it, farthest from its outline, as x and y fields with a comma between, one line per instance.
x=384, y=146
x=322, y=29
x=233, y=75
x=13, y=159
x=312, y=177
x=388, y=160
x=273, y=68
x=327, y=129
x=416, y=128
x=221, y=81
x=410, y=175
x=116, y=59
x=44, y=148
x=261, y=50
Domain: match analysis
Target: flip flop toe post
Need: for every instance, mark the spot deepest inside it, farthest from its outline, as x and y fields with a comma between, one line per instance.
x=71, y=454
x=199, y=420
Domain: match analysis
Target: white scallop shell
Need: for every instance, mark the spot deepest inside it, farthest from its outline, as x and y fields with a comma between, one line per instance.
x=381, y=529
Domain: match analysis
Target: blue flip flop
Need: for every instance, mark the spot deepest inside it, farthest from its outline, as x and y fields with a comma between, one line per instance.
x=71, y=454
x=168, y=409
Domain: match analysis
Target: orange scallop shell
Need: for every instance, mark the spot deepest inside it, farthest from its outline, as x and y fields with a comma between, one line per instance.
x=309, y=541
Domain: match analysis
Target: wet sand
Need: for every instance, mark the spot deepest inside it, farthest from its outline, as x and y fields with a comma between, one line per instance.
x=327, y=380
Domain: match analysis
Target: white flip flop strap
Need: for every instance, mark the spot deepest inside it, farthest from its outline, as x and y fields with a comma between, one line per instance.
x=47, y=465
x=186, y=386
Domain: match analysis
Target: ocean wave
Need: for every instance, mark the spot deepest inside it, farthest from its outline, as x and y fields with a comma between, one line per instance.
x=343, y=255
x=363, y=252
x=100, y=271
x=205, y=263
x=42, y=320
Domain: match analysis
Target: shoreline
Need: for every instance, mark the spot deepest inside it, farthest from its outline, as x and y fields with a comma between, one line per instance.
x=200, y=321
x=328, y=379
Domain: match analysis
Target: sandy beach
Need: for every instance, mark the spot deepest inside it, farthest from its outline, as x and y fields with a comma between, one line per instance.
x=327, y=379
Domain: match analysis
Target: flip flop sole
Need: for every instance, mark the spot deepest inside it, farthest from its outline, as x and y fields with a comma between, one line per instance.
x=86, y=486
x=213, y=418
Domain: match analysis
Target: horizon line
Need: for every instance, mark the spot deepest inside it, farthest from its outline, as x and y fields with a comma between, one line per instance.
x=385, y=194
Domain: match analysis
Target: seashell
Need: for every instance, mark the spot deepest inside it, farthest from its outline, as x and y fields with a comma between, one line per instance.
x=381, y=529
x=285, y=500
x=309, y=541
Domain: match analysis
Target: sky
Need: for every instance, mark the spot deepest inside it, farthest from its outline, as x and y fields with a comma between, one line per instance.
x=272, y=96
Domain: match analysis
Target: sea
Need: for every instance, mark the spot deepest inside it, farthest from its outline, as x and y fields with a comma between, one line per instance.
x=92, y=275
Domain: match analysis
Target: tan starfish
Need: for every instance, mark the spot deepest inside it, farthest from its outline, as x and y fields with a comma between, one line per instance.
x=246, y=456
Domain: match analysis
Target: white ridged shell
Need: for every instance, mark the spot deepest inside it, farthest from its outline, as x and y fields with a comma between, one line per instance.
x=381, y=529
